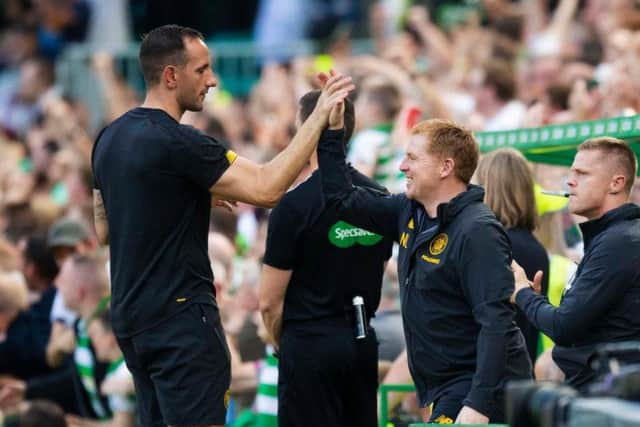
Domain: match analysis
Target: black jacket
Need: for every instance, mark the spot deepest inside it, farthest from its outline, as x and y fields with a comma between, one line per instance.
x=603, y=303
x=23, y=353
x=455, y=284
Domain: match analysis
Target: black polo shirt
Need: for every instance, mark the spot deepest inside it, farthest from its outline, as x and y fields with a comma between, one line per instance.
x=332, y=260
x=154, y=176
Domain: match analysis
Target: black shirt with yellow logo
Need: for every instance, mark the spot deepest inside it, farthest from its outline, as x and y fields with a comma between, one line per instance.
x=154, y=175
x=455, y=286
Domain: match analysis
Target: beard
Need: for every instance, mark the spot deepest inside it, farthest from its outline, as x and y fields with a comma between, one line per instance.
x=191, y=102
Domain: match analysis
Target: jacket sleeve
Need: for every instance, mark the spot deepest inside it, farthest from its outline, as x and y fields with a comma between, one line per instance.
x=364, y=207
x=487, y=282
x=603, y=279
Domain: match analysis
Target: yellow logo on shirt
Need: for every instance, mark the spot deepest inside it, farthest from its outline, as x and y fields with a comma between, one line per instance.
x=431, y=260
x=231, y=156
x=443, y=419
x=438, y=244
x=411, y=225
x=404, y=240
x=227, y=396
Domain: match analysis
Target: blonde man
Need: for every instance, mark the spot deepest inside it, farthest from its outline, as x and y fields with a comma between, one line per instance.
x=603, y=303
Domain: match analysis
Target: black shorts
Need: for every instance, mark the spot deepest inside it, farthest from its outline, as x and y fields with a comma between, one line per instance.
x=181, y=369
x=326, y=377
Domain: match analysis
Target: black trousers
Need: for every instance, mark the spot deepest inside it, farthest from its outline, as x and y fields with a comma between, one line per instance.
x=326, y=376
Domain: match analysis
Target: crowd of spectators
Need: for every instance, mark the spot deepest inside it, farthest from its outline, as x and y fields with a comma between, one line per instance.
x=498, y=65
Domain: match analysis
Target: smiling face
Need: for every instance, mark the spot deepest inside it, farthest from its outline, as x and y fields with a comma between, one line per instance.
x=195, y=77
x=423, y=169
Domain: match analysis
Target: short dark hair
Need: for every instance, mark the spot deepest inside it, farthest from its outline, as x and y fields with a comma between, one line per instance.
x=308, y=102
x=618, y=151
x=41, y=256
x=164, y=46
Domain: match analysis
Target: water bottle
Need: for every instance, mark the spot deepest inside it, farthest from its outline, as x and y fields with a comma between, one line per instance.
x=361, y=317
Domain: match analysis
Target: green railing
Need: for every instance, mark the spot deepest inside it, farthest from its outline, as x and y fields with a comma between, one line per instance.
x=384, y=390
x=556, y=144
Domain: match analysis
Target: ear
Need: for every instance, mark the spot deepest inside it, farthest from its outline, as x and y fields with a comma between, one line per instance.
x=447, y=168
x=170, y=77
x=617, y=184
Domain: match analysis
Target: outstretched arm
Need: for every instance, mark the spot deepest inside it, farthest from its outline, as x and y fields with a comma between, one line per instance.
x=264, y=185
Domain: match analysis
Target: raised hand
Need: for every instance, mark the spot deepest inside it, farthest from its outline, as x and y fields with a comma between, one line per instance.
x=335, y=88
x=336, y=116
x=522, y=282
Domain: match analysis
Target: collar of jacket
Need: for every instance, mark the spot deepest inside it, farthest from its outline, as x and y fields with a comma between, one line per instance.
x=448, y=211
x=591, y=229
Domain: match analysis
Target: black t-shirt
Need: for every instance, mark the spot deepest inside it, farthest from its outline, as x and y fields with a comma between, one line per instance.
x=332, y=261
x=154, y=176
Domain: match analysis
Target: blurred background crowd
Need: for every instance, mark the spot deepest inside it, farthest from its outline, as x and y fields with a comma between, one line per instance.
x=67, y=68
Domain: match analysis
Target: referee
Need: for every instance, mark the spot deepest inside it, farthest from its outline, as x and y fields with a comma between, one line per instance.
x=315, y=264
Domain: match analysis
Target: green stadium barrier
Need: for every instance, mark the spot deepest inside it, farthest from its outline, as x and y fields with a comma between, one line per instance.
x=557, y=144
x=384, y=390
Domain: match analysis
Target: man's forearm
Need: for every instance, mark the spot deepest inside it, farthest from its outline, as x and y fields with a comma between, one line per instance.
x=273, y=323
x=100, y=218
x=336, y=179
x=277, y=175
x=370, y=209
x=562, y=327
